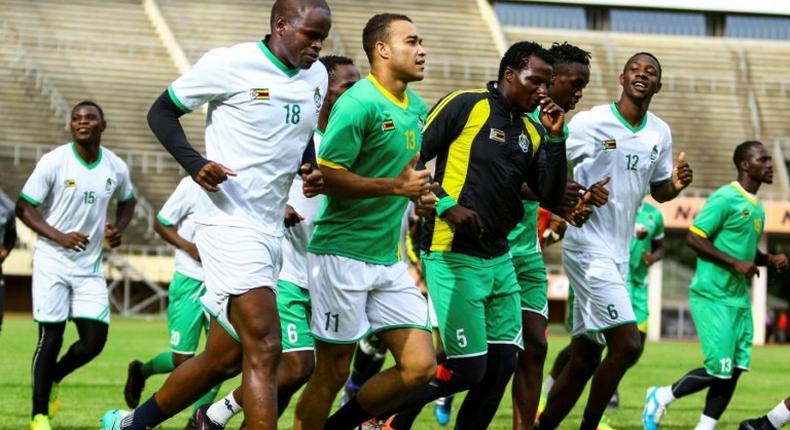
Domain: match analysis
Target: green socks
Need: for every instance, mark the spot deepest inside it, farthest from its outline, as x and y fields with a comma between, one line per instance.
x=162, y=363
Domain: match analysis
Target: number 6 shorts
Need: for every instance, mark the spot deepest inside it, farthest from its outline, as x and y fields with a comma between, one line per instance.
x=601, y=300
x=477, y=301
x=352, y=298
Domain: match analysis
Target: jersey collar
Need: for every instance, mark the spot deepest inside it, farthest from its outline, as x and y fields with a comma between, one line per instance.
x=391, y=97
x=289, y=71
x=627, y=124
x=752, y=198
x=82, y=161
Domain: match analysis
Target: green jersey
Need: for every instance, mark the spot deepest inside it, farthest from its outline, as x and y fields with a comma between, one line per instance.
x=372, y=134
x=649, y=227
x=524, y=238
x=732, y=219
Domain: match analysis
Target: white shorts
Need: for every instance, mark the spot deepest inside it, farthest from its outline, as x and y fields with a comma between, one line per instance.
x=432, y=314
x=235, y=260
x=352, y=298
x=294, y=251
x=61, y=293
x=601, y=300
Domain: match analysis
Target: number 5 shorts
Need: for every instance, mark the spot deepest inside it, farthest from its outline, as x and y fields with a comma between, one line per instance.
x=601, y=300
x=235, y=261
x=352, y=298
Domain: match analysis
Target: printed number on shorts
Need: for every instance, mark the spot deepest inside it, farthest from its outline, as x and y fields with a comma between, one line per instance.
x=459, y=334
x=293, y=336
x=331, y=321
x=292, y=113
x=612, y=312
x=175, y=337
x=726, y=365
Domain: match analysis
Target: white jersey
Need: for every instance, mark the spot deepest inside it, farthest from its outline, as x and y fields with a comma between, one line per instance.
x=601, y=144
x=179, y=211
x=260, y=117
x=296, y=238
x=73, y=196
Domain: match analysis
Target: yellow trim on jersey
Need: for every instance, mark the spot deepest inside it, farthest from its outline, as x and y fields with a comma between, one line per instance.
x=456, y=169
x=698, y=231
x=744, y=193
x=446, y=100
x=534, y=136
x=642, y=327
x=391, y=97
x=331, y=164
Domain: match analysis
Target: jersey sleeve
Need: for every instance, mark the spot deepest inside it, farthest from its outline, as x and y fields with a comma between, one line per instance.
x=40, y=182
x=664, y=164
x=207, y=80
x=712, y=216
x=125, y=189
x=344, y=134
x=177, y=206
x=580, y=144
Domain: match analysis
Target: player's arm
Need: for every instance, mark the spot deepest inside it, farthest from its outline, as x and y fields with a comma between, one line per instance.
x=778, y=261
x=547, y=174
x=341, y=182
x=312, y=177
x=656, y=253
x=29, y=215
x=682, y=176
x=169, y=233
x=9, y=238
x=123, y=216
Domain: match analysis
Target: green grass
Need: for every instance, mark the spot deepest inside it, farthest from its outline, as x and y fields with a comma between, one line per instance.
x=90, y=391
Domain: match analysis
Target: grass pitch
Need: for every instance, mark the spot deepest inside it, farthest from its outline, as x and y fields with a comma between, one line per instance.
x=91, y=390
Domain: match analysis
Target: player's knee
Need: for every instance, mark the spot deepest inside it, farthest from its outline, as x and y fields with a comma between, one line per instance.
x=297, y=369
x=584, y=365
x=418, y=370
x=178, y=359
x=535, y=350
x=463, y=373
x=627, y=351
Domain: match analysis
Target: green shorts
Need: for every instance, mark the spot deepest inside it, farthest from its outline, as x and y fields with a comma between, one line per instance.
x=185, y=317
x=531, y=276
x=293, y=305
x=725, y=333
x=476, y=301
x=638, y=294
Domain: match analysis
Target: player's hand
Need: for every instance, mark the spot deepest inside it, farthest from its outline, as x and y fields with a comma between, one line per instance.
x=112, y=235
x=426, y=203
x=412, y=183
x=3, y=254
x=746, y=268
x=648, y=258
x=778, y=261
x=577, y=216
x=552, y=116
x=74, y=241
x=597, y=194
x=192, y=250
x=312, y=180
x=291, y=216
x=682, y=175
x=573, y=194
x=212, y=174
x=465, y=219
x=556, y=230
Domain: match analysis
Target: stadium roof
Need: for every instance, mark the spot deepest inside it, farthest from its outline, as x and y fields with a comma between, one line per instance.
x=766, y=7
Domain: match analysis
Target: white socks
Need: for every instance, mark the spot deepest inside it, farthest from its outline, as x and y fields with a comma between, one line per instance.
x=664, y=395
x=705, y=423
x=779, y=415
x=222, y=411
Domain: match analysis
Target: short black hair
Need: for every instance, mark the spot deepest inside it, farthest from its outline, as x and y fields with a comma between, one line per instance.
x=658, y=63
x=565, y=54
x=332, y=61
x=517, y=56
x=89, y=103
x=742, y=151
x=377, y=29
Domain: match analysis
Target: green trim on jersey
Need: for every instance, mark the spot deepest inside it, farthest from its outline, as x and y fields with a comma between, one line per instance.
x=29, y=199
x=165, y=222
x=733, y=221
x=176, y=101
x=129, y=197
x=625, y=123
x=318, y=131
x=289, y=71
x=82, y=161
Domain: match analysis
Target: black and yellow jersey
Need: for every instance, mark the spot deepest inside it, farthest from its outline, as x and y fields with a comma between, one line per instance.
x=485, y=151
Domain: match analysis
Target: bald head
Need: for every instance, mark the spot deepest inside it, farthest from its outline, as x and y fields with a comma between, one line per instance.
x=294, y=9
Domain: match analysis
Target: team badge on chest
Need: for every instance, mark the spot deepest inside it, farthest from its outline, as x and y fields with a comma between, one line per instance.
x=524, y=144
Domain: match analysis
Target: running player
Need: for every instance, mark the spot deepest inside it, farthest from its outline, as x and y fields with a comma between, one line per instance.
x=293, y=298
x=484, y=156
x=65, y=202
x=7, y=242
x=725, y=235
x=775, y=419
x=571, y=74
x=623, y=141
x=185, y=317
x=357, y=282
x=264, y=99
